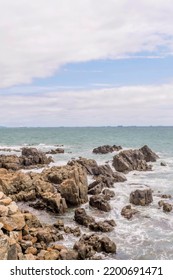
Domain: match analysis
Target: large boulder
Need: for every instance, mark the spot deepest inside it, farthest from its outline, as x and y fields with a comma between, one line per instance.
x=106, y=149
x=149, y=155
x=141, y=197
x=71, y=182
x=31, y=156
x=130, y=160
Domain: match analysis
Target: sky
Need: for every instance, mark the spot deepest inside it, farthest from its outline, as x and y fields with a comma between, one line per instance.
x=86, y=63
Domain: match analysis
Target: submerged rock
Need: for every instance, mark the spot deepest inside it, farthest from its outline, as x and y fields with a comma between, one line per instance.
x=56, y=151
x=128, y=212
x=141, y=197
x=106, y=149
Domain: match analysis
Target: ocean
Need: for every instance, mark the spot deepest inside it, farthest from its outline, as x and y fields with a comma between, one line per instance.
x=149, y=235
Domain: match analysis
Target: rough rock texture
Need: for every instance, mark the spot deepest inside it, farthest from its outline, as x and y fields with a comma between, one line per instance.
x=106, y=149
x=71, y=182
x=100, y=202
x=149, y=155
x=82, y=218
x=130, y=160
x=141, y=197
x=128, y=212
x=88, y=245
x=103, y=226
x=30, y=157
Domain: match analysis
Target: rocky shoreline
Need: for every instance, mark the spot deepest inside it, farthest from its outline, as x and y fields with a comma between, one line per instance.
x=60, y=188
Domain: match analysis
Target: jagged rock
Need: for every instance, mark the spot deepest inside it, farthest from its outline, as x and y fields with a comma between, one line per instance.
x=96, y=187
x=149, y=155
x=90, y=165
x=130, y=160
x=72, y=183
x=54, y=202
x=128, y=212
x=75, y=231
x=100, y=202
x=163, y=163
x=88, y=245
x=82, y=218
x=13, y=222
x=30, y=157
x=141, y=197
x=106, y=149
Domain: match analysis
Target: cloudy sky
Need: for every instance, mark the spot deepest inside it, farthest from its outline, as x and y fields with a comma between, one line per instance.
x=86, y=62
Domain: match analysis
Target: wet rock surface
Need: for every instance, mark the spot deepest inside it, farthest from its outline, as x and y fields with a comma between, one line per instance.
x=130, y=160
x=128, y=212
x=106, y=149
x=141, y=197
x=30, y=158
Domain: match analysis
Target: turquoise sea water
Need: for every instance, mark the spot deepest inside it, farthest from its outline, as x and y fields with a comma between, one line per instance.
x=149, y=235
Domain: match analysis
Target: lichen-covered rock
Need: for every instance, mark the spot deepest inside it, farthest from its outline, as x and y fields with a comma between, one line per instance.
x=141, y=197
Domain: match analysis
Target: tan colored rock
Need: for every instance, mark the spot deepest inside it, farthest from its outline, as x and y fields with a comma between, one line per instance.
x=12, y=208
x=3, y=211
x=31, y=250
x=5, y=201
x=13, y=222
x=52, y=255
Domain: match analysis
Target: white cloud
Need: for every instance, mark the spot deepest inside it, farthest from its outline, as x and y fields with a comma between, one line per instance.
x=130, y=105
x=39, y=36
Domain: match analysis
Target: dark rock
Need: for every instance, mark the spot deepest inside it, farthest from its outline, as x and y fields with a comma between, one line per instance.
x=130, y=160
x=56, y=151
x=108, y=193
x=106, y=149
x=128, y=212
x=163, y=163
x=100, y=202
x=95, y=187
x=161, y=203
x=88, y=245
x=149, y=155
x=103, y=226
x=82, y=218
x=167, y=207
x=141, y=197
